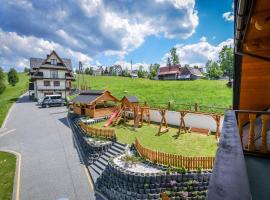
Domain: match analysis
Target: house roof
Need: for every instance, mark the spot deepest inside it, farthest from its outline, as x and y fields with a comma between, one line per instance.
x=169, y=70
x=194, y=71
x=38, y=62
x=91, y=96
x=131, y=99
x=92, y=92
x=85, y=98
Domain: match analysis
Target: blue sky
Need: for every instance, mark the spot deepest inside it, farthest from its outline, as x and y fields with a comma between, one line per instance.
x=114, y=32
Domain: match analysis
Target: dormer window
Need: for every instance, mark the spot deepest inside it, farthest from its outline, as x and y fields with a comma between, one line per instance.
x=53, y=62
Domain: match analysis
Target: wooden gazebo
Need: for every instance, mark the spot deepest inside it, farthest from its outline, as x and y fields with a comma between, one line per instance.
x=94, y=103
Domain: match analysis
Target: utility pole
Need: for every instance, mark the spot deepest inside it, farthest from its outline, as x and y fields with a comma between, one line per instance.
x=131, y=68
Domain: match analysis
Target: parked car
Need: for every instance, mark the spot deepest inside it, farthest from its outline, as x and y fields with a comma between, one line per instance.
x=52, y=100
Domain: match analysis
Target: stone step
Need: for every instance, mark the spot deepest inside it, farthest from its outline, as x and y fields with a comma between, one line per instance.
x=94, y=174
x=113, y=152
x=109, y=154
x=96, y=169
x=99, y=165
x=119, y=151
x=105, y=158
x=102, y=162
x=119, y=146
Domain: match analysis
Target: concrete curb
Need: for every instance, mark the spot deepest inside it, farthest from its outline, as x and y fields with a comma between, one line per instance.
x=17, y=177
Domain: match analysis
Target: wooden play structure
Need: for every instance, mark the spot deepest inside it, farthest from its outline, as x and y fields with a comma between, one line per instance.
x=130, y=109
x=94, y=103
x=182, y=126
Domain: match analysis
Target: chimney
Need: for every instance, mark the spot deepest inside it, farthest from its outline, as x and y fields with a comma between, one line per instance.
x=47, y=55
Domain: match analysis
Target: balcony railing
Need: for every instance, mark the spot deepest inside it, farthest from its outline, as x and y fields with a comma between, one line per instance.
x=229, y=179
x=41, y=87
x=253, y=129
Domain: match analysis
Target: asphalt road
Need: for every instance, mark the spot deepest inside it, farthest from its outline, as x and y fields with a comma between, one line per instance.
x=51, y=168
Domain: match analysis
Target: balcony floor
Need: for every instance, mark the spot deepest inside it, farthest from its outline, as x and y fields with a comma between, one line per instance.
x=259, y=177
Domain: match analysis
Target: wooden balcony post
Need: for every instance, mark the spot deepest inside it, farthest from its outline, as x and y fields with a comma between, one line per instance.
x=240, y=125
x=251, y=142
x=263, y=147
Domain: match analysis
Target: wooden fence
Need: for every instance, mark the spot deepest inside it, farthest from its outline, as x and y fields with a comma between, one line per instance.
x=99, y=132
x=173, y=160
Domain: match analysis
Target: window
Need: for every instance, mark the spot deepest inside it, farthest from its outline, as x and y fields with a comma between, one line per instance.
x=54, y=74
x=53, y=62
x=47, y=83
x=56, y=83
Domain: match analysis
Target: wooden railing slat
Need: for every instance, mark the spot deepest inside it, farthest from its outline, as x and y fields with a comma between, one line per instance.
x=174, y=160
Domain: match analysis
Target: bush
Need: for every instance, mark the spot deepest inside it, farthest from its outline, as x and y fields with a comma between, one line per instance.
x=2, y=87
x=13, y=77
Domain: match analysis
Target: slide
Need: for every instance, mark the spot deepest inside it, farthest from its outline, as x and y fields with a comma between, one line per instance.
x=108, y=123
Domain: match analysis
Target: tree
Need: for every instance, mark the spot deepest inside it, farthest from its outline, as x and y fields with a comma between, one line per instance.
x=87, y=70
x=226, y=61
x=2, y=81
x=169, y=63
x=91, y=71
x=126, y=73
x=213, y=70
x=153, y=70
x=174, y=56
x=26, y=70
x=141, y=73
x=13, y=77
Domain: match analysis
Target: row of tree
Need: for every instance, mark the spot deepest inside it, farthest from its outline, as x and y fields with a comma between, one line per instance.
x=13, y=78
x=223, y=67
x=214, y=69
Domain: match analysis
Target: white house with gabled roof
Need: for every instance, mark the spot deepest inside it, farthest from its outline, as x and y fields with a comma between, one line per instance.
x=50, y=75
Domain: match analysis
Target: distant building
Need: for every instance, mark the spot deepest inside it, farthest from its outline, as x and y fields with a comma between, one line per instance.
x=50, y=75
x=177, y=72
x=190, y=73
x=169, y=72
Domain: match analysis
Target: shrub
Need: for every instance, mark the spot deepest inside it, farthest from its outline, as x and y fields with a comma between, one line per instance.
x=13, y=77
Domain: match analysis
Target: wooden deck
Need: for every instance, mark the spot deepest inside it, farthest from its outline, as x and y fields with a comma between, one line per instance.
x=101, y=112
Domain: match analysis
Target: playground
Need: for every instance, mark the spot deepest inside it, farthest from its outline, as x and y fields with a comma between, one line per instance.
x=128, y=119
x=186, y=144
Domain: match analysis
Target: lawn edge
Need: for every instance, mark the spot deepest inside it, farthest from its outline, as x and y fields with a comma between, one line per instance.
x=17, y=175
x=9, y=111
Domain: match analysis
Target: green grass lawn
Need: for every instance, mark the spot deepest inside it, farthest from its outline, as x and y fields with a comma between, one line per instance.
x=11, y=95
x=158, y=93
x=7, y=172
x=187, y=144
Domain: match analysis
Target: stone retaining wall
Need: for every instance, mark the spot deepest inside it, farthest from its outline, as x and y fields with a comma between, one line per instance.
x=118, y=183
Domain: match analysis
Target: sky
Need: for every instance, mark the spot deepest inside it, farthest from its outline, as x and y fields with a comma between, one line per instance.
x=106, y=32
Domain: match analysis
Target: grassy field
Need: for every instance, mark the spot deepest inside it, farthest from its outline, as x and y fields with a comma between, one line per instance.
x=158, y=93
x=188, y=144
x=11, y=94
x=7, y=171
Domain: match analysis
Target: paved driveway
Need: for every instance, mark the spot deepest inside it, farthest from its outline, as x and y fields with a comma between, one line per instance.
x=51, y=168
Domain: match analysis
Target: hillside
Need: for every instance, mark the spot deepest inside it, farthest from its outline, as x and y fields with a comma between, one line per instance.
x=158, y=93
x=11, y=94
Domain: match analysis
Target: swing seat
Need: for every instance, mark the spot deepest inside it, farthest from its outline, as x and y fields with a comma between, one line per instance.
x=203, y=131
x=163, y=130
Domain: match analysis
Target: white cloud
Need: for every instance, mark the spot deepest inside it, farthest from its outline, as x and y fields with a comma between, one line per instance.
x=15, y=50
x=203, y=39
x=97, y=27
x=228, y=16
x=198, y=53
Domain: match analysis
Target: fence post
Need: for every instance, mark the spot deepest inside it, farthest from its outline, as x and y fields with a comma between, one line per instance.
x=196, y=107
